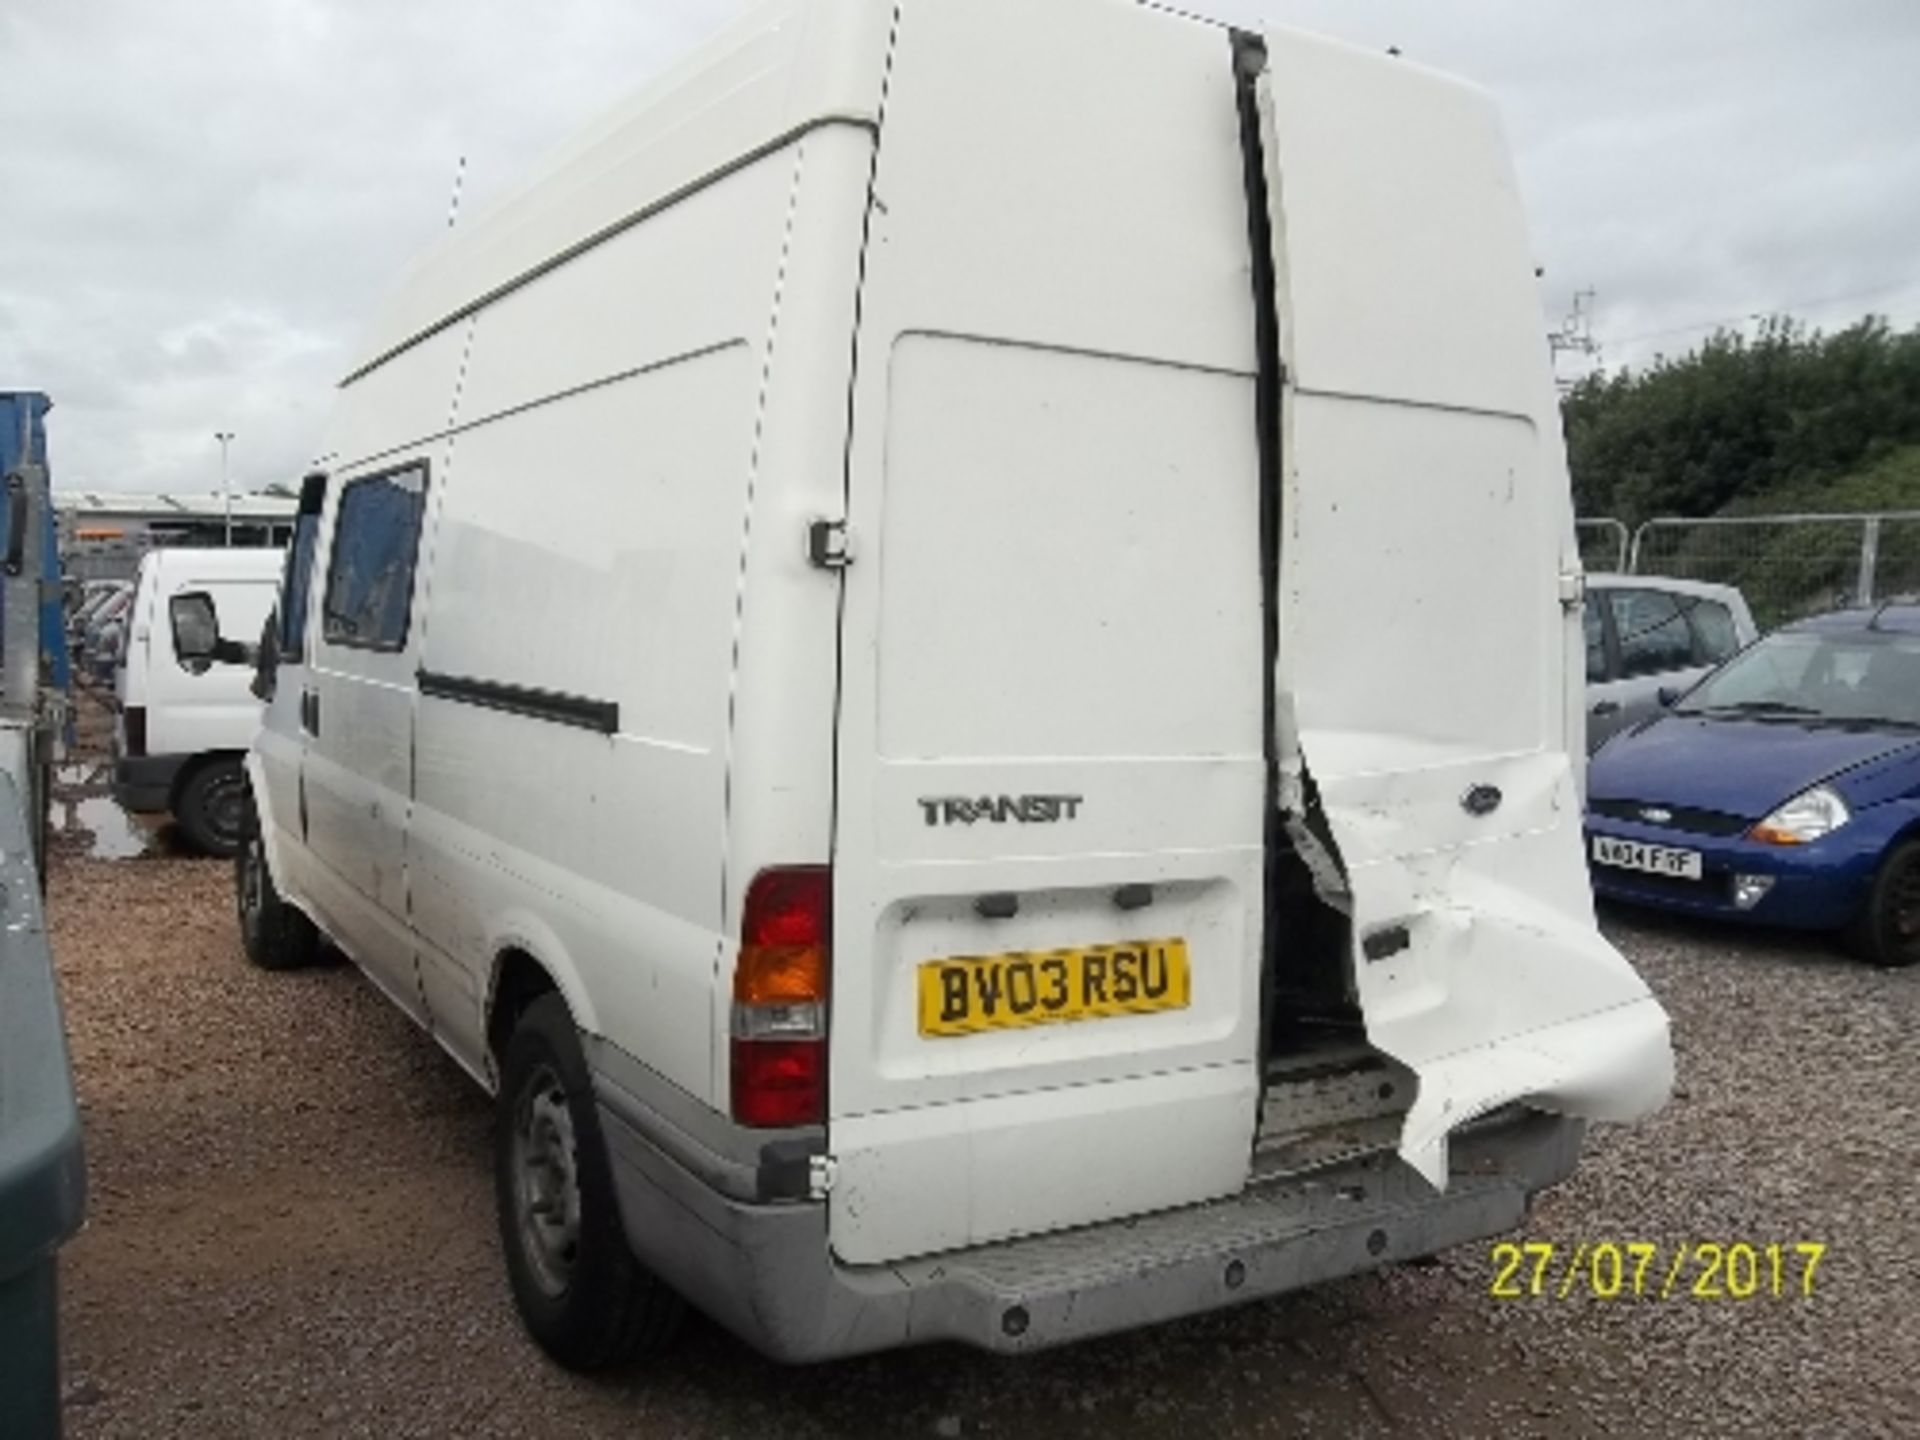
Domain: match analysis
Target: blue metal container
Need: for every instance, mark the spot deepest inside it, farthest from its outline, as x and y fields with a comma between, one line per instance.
x=42, y=1172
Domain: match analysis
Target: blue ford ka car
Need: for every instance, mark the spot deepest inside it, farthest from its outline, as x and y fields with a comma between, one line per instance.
x=1783, y=789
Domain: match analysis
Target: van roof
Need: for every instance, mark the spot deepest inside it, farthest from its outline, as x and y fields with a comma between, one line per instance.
x=783, y=69
x=242, y=562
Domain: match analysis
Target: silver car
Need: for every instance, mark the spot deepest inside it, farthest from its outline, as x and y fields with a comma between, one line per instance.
x=1646, y=634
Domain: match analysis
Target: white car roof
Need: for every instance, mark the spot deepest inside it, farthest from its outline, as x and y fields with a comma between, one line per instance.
x=1705, y=589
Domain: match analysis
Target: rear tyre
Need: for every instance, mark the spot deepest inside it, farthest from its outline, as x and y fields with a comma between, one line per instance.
x=1887, y=930
x=275, y=935
x=581, y=1293
x=212, y=807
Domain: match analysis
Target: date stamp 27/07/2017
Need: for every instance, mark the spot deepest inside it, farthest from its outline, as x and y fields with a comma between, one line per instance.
x=1650, y=1270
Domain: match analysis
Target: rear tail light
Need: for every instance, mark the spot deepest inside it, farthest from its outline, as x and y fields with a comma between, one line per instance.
x=779, y=1030
x=134, y=721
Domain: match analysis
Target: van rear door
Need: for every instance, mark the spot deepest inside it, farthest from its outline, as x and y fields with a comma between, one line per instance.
x=1047, y=882
x=1430, y=700
x=1051, y=767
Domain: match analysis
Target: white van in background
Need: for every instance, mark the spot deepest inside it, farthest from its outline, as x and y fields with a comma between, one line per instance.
x=184, y=723
x=951, y=660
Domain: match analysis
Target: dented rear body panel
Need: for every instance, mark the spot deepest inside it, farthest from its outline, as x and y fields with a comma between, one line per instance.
x=1427, y=539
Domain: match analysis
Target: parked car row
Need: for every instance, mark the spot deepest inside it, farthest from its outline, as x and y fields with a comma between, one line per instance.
x=96, y=627
x=1772, y=783
x=1730, y=801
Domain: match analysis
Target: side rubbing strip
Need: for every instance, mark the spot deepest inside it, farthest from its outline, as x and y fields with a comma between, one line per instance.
x=574, y=710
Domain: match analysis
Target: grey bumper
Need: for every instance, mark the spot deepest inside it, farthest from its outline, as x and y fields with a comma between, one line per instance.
x=765, y=1271
x=145, y=785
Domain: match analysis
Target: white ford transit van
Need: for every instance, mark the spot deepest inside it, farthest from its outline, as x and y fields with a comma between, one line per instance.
x=951, y=659
x=184, y=723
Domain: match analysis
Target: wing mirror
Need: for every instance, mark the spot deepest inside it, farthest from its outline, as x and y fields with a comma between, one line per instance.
x=196, y=634
x=1667, y=694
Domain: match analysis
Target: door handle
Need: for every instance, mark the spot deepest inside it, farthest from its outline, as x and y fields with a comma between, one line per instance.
x=310, y=711
x=1607, y=707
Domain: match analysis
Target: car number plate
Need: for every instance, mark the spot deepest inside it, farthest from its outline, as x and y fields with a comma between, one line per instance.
x=965, y=994
x=1653, y=859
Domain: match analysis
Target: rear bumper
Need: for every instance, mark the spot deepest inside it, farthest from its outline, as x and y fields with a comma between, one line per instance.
x=145, y=785
x=765, y=1271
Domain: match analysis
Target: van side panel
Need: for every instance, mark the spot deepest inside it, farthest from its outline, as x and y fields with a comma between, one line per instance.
x=783, y=69
x=780, y=762
x=405, y=403
x=1054, y=498
x=588, y=552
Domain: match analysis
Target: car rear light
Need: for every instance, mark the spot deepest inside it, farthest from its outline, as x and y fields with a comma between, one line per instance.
x=779, y=1083
x=779, y=1024
x=134, y=722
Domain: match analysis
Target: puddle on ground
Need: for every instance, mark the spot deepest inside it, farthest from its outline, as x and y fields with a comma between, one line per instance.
x=116, y=834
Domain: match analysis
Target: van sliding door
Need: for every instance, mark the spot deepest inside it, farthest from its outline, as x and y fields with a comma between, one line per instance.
x=359, y=716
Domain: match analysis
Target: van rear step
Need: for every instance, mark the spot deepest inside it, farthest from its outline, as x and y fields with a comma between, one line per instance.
x=1048, y=1289
x=1328, y=1106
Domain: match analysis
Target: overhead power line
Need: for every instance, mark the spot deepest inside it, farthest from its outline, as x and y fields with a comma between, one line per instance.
x=1787, y=308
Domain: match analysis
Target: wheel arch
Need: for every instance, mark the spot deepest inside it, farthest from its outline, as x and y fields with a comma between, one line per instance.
x=1908, y=829
x=1904, y=830
x=525, y=967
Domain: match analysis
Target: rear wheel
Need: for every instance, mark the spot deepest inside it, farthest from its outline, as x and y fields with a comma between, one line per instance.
x=212, y=807
x=581, y=1293
x=275, y=935
x=1887, y=930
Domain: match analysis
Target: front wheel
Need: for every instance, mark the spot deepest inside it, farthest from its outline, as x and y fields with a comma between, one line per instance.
x=581, y=1293
x=275, y=935
x=1887, y=930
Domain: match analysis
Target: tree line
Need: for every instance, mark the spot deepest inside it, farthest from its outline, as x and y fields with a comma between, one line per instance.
x=1791, y=418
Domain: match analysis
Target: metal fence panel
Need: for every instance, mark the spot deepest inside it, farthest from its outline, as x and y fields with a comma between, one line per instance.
x=1788, y=566
x=1603, y=544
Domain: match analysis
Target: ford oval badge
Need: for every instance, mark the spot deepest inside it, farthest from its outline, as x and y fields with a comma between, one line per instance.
x=1481, y=800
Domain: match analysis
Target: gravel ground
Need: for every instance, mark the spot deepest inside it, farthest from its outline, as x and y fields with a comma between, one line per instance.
x=291, y=1233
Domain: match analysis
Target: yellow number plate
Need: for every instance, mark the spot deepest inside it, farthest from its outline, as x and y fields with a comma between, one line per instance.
x=969, y=993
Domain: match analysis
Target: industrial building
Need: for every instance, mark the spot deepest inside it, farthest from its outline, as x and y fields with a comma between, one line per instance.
x=103, y=536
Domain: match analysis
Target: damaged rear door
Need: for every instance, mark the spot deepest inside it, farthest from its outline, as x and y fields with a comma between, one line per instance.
x=1429, y=713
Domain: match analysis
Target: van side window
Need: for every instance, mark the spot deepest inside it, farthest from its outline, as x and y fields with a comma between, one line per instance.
x=294, y=587
x=376, y=540
x=1652, y=632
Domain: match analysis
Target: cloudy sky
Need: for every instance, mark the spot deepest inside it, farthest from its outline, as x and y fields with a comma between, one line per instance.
x=202, y=201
